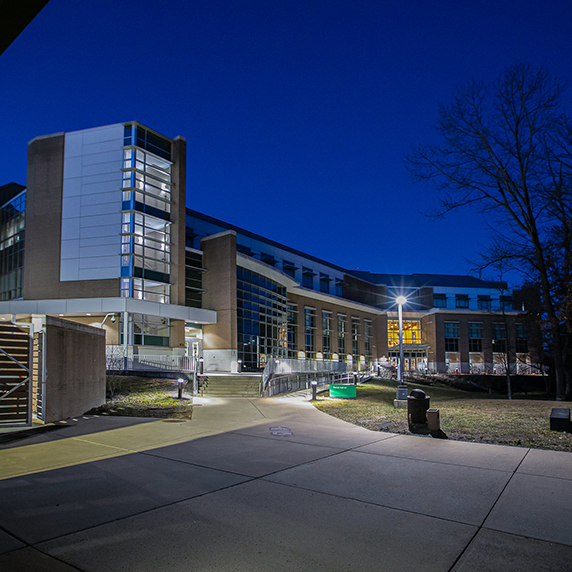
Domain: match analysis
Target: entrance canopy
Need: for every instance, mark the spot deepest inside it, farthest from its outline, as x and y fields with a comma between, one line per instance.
x=78, y=307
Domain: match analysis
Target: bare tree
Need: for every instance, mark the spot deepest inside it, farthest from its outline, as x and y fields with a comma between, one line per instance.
x=506, y=152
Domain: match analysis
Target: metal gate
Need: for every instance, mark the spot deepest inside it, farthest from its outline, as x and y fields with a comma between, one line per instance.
x=22, y=374
x=38, y=375
x=15, y=394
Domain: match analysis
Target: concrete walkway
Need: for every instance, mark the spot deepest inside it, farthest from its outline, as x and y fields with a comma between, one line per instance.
x=271, y=485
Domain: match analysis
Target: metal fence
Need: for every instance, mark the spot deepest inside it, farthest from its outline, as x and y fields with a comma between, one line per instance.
x=490, y=368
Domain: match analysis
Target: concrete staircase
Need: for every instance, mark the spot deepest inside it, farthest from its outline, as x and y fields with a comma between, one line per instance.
x=229, y=385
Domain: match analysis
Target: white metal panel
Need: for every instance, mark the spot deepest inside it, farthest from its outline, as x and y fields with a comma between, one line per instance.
x=72, y=187
x=99, y=261
x=73, y=144
x=102, y=196
x=70, y=207
x=101, y=178
x=99, y=250
x=114, y=157
x=70, y=249
x=101, y=220
x=69, y=269
x=100, y=241
x=99, y=168
x=98, y=273
x=70, y=228
x=95, y=231
x=98, y=209
x=101, y=146
x=72, y=168
x=104, y=133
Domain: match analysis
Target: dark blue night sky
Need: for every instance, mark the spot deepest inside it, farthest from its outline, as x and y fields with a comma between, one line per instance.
x=297, y=114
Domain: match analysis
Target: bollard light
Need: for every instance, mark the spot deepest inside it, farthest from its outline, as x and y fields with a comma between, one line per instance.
x=314, y=390
x=181, y=383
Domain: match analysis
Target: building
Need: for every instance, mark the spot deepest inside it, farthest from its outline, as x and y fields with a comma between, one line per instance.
x=101, y=235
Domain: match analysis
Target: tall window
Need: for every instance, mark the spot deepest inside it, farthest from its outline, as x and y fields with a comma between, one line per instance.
x=451, y=337
x=521, y=339
x=310, y=329
x=194, y=278
x=507, y=303
x=367, y=335
x=475, y=337
x=327, y=334
x=499, y=338
x=262, y=314
x=324, y=283
x=292, y=329
x=355, y=337
x=342, y=330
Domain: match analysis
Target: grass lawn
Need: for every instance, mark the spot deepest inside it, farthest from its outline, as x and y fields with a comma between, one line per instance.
x=465, y=416
x=132, y=396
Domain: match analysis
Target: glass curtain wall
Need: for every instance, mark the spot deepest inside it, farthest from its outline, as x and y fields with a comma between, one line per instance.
x=262, y=319
x=12, y=216
x=146, y=229
x=411, y=332
x=146, y=215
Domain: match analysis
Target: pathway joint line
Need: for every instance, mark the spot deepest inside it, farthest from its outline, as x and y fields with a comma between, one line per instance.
x=256, y=407
x=481, y=526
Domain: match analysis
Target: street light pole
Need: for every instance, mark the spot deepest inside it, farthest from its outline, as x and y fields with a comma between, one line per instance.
x=400, y=301
x=401, y=388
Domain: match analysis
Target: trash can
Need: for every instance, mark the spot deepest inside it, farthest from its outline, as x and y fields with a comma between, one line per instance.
x=417, y=406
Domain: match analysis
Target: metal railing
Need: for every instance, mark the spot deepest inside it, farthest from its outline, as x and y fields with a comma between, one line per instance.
x=296, y=381
x=276, y=368
x=117, y=361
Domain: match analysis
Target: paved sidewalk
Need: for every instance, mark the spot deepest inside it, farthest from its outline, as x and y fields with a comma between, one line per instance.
x=272, y=485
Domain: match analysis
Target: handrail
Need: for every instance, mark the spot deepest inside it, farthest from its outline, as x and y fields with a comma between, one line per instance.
x=279, y=367
x=289, y=382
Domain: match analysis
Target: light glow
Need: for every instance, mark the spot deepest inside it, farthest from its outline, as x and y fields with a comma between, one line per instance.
x=401, y=300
